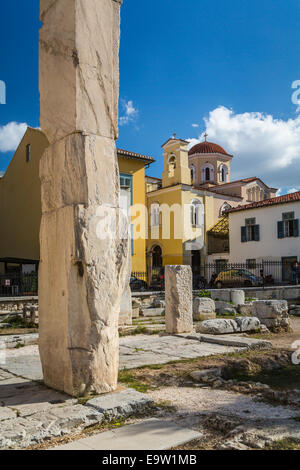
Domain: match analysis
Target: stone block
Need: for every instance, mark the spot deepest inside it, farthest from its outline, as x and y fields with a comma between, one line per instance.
x=179, y=299
x=79, y=73
x=221, y=295
x=217, y=327
x=152, y=312
x=121, y=404
x=203, y=308
x=238, y=297
x=270, y=308
x=246, y=309
x=224, y=326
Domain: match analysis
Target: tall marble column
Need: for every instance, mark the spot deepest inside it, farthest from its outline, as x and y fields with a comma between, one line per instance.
x=83, y=270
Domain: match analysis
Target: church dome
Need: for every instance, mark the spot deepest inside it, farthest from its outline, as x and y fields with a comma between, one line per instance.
x=207, y=147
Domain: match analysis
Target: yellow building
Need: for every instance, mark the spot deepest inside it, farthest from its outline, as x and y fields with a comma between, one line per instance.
x=20, y=203
x=186, y=207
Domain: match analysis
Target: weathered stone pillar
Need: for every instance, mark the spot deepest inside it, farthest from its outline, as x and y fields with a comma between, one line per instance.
x=179, y=299
x=82, y=274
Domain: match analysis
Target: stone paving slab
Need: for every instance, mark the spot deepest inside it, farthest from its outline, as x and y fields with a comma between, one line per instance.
x=232, y=340
x=124, y=403
x=12, y=341
x=151, y=434
x=135, y=351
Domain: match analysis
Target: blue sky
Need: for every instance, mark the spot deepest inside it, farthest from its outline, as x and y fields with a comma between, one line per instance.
x=232, y=62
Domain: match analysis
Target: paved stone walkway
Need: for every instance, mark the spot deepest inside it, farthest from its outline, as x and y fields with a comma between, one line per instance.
x=135, y=351
x=30, y=412
x=151, y=434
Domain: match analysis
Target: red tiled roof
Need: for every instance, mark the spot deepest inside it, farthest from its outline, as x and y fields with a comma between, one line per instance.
x=207, y=147
x=268, y=202
x=138, y=156
x=243, y=181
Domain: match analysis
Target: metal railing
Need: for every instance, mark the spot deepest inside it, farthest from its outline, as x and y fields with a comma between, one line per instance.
x=18, y=285
x=222, y=275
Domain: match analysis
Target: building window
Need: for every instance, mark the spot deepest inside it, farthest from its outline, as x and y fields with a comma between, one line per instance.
x=223, y=172
x=251, y=231
x=126, y=183
x=172, y=165
x=224, y=208
x=251, y=263
x=155, y=215
x=193, y=173
x=208, y=172
x=196, y=213
x=288, y=226
x=28, y=153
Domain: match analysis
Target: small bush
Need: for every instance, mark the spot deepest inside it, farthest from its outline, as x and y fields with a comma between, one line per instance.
x=204, y=293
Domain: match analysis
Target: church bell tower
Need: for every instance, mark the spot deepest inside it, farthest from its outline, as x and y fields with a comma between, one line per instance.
x=176, y=163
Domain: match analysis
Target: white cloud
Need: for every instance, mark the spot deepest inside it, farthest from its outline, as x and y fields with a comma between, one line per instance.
x=11, y=135
x=287, y=190
x=262, y=145
x=130, y=113
x=195, y=125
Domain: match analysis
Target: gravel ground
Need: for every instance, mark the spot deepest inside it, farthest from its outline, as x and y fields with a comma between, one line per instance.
x=191, y=401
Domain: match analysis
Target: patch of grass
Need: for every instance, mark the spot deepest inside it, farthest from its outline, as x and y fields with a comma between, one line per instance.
x=283, y=378
x=204, y=294
x=285, y=444
x=128, y=378
x=19, y=346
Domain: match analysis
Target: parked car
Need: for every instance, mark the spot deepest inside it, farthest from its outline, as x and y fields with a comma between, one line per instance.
x=237, y=278
x=138, y=285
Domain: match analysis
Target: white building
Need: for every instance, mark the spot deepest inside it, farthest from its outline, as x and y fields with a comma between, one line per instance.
x=266, y=231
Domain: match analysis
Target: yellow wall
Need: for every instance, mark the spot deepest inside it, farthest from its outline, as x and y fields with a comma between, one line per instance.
x=171, y=248
x=136, y=168
x=20, y=201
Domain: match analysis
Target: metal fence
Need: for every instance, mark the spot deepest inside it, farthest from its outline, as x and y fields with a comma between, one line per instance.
x=212, y=275
x=222, y=275
x=18, y=285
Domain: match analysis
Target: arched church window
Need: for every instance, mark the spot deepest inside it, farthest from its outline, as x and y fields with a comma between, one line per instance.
x=224, y=208
x=155, y=215
x=208, y=172
x=223, y=171
x=196, y=212
x=193, y=172
x=172, y=165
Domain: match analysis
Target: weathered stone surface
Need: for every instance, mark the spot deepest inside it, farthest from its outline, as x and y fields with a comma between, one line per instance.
x=125, y=403
x=224, y=326
x=203, y=308
x=272, y=313
x=217, y=327
x=126, y=314
x=221, y=306
x=197, y=375
x=152, y=312
x=79, y=70
x=84, y=251
x=246, y=309
x=238, y=297
x=247, y=323
x=179, y=299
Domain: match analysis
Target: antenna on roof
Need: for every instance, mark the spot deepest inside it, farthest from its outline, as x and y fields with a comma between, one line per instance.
x=174, y=135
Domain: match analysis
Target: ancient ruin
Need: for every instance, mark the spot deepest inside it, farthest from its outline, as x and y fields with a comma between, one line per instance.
x=82, y=273
x=179, y=299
